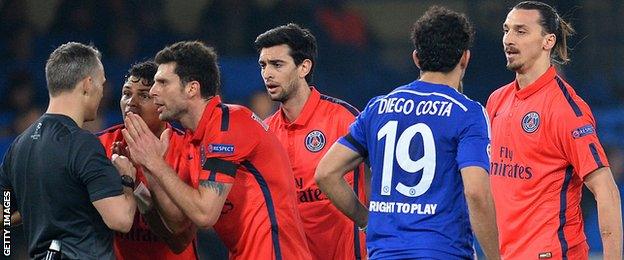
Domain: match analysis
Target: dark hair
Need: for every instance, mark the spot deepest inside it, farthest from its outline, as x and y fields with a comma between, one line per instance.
x=440, y=37
x=144, y=72
x=69, y=64
x=551, y=22
x=300, y=40
x=195, y=61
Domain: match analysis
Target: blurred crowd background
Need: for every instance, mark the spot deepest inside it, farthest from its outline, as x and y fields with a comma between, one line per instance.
x=364, y=51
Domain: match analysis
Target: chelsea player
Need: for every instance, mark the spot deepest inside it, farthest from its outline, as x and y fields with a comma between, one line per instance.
x=428, y=148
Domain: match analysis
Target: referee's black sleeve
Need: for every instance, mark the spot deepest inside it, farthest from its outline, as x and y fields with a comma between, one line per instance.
x=94, y=169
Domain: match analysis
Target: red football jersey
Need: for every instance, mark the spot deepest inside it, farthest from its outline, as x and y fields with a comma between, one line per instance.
x=323, y=119
x=140, y=242
x=259, y=219
x=544, y=144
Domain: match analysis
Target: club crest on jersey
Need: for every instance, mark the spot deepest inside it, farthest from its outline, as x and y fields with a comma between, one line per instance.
x=315, y=141
x=530, y=122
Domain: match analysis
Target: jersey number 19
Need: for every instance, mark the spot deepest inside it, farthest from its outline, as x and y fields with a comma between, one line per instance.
x=427, y=163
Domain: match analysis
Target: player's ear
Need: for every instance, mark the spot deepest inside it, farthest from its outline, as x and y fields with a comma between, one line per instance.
x=304, y=68
x=85, y=85
x=416, y=60
x=549, y=41
x=465, y=58
x=192, y=89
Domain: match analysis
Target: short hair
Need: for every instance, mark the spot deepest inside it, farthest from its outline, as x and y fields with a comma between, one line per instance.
x=300, y=40
x=551, y=22
x=69, y=64
x=440, y=37
x=144, y=72
x=195, y=61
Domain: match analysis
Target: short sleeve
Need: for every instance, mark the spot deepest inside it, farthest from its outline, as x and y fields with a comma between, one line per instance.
x=474, y=140
x=218, y=170
x=223, y=152
x=91, y=166
x=356, y=138
x=576, y=135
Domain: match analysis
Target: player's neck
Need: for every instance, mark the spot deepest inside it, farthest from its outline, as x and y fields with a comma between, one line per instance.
x=450, y=79
x=526, y=77
x=195, y=111
x=69, y=105
x=293, y=106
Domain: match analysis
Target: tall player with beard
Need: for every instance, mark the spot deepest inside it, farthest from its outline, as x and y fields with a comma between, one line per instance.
x=148, y=238
x=306, y=124
x=545, y=147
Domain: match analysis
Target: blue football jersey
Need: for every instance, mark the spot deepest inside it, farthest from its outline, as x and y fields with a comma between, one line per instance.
x=417, y=139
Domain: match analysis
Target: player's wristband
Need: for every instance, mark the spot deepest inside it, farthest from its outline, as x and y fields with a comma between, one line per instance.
x=363, y=229
x=127, y=181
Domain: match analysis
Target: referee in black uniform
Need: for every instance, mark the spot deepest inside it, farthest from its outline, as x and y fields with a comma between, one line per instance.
x=60, y=179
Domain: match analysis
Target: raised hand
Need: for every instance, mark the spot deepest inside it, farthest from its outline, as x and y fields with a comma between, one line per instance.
x=121, y=148
x=143, y=145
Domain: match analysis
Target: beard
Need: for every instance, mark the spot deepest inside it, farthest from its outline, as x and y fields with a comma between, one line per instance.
x=514, y=66
x=280, y=97
x=285, y=94
x=171, y=114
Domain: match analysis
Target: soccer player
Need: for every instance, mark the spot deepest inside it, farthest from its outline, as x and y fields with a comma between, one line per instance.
x=148, y=238
x=307, y=123
x=62, y=184
x=241, y=179
x=545, y=147
x=427, y=145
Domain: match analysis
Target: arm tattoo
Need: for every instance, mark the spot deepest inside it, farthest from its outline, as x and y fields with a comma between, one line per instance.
x=218, y=187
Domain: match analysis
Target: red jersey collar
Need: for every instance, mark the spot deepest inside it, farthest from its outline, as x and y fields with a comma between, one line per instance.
x=212, y=104
x=306, y=112
x=169, y=126
x=529, y=90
